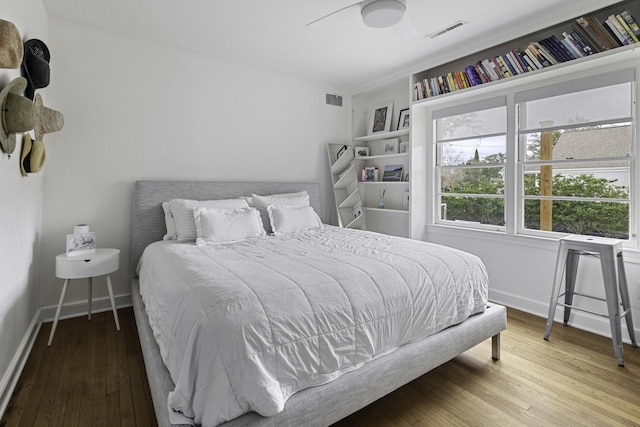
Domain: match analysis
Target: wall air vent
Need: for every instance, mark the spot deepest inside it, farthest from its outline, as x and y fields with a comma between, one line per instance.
x=334, y=100
x=446, y=30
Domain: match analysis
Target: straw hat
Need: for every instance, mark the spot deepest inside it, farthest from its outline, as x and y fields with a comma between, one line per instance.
x=48, y=120
x=18, y=113
x=35, y=65
x=11, y=49
x=33, y=155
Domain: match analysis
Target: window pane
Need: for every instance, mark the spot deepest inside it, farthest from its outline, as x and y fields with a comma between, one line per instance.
x=588, y=180
x=478, y=210
x=586, y=143
x=595, y=105
x=488, y=180
x=607, y=219
x=477, y=123
x=471, y=151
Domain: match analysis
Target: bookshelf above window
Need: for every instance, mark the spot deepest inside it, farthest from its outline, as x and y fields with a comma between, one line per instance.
x=606, y=29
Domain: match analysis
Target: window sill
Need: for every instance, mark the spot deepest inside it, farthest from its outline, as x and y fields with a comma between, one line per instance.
x=631, y=255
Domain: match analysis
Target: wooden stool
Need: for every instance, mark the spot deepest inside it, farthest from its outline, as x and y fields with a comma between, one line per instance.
x=615, y=281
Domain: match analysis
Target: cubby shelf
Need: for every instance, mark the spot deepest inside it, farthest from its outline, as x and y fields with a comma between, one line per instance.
x=382, y=135
x=509, y=47
x=393, y=211
x=352, y=200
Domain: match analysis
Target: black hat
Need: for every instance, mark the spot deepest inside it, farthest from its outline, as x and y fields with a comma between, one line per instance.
x=35, y=66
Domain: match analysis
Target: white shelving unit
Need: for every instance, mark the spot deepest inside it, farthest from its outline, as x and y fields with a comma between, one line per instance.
x=346, y=191
x=394, y=217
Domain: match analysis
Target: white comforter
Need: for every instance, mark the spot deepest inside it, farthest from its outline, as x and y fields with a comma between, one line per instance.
x=243, y=326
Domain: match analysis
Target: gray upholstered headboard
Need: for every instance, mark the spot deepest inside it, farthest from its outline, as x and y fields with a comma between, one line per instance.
x=148, y=217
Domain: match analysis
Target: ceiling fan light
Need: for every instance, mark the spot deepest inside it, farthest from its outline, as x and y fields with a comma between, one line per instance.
x=382, y=13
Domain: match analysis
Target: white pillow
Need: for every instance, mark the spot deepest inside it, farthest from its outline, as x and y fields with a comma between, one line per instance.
x=182, y=211
x=168, y=222
x=298, y=200
x=215, y=225
x=288, y=219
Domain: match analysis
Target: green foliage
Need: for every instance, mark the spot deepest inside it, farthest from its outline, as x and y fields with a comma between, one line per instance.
x=595, y=218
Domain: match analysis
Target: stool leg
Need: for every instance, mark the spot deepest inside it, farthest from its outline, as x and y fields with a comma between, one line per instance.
x=573, y=258
x=608, y=263
x=55, y=319
x=90, y=296
x=557, y=281
x=626, y=301
x=113, y=303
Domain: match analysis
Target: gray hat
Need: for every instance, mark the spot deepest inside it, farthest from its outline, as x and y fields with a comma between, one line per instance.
x=18, y=113
x=11, y=48
x=48, y=120
x=35, y=66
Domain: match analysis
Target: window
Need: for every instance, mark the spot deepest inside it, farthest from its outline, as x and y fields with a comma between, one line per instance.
x=571, y=154
x=470, y=164
x=575, y=157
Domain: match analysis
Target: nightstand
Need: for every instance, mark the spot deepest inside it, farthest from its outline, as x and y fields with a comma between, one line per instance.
x=103, y=261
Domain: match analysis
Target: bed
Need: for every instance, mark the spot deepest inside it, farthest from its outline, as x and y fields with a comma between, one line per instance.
x=324, y=403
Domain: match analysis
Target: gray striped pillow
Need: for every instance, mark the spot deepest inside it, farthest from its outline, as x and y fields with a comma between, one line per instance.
x=182, y=211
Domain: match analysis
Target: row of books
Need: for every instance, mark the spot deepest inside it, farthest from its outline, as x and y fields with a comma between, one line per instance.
x=588, y=35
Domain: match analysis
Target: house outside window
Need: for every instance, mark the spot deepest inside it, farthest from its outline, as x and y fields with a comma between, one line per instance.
x=573, y=150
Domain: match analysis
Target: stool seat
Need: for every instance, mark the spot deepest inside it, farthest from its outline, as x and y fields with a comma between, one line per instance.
x=615, y=281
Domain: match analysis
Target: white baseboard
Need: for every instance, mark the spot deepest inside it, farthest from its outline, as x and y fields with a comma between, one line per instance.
x=581, y=320
x=10, y=378
x=81, y=308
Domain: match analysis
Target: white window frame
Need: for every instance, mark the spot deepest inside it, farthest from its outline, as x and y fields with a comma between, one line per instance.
x=511, y=91
x=490, y=103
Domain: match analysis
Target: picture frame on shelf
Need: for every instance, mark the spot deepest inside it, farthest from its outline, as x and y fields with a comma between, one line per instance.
x=380, y=117
x=370, y=174
x=362, y=151
x=393, y=173
x=404, y=120
x=403, y=147
x=405, y=200
x=390, y=146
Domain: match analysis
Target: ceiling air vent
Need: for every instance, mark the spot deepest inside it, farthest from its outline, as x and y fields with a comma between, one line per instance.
x=446, y=30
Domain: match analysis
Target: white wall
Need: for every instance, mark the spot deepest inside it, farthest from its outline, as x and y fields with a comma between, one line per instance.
x=138, y=110
x=20, y=218
x=521, y=271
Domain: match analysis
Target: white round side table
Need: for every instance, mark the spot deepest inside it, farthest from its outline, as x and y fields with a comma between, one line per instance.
x=103, y=261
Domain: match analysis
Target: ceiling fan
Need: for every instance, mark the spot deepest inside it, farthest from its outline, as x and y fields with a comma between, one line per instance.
x=381, y=14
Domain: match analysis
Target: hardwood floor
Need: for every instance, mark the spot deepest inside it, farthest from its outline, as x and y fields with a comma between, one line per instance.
x=93, y=375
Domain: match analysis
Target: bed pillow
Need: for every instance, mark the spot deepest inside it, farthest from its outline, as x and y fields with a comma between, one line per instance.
x=218, y=225
x=289, y=219
x=168, y=222
x=298, y=200
x=182, y=212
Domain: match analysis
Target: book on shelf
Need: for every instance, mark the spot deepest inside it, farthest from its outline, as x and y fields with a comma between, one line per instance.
x=577, y=53
x=628, y=29
x=621, y=32
x=576, y=41
x=608, y=34
x=579, y=33
x=518, y=60
x=592, y=38
x=614, y=27
x=631, y=22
